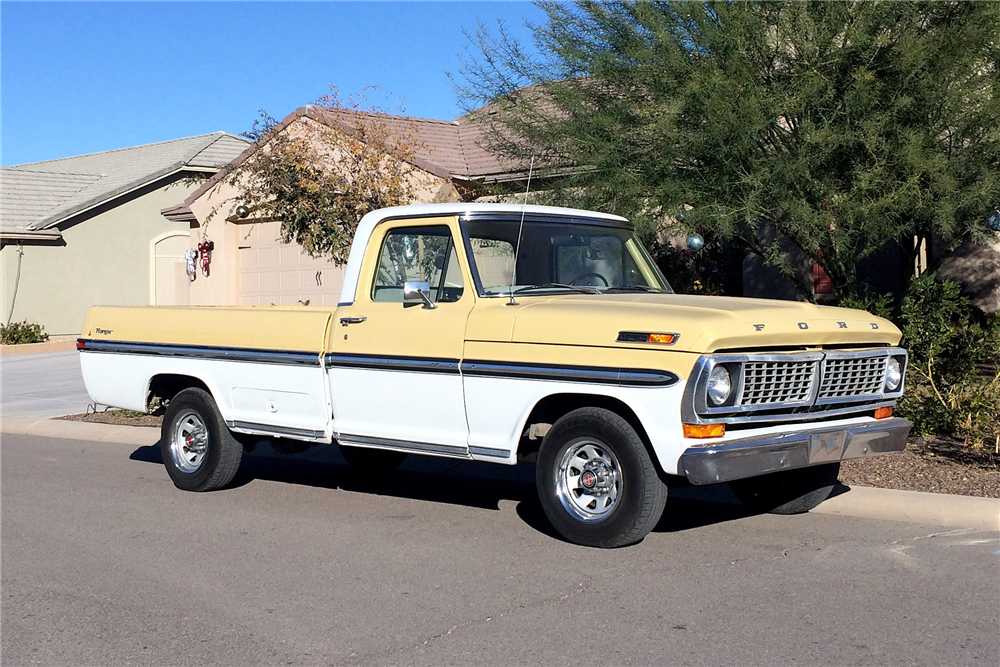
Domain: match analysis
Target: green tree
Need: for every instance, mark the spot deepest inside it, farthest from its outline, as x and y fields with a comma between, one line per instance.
x=321, y=173
x=844, y=126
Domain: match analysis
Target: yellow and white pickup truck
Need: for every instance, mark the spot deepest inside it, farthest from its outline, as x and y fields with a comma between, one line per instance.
x=511, y=333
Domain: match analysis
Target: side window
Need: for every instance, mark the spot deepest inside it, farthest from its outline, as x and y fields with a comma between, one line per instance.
x=418, y=253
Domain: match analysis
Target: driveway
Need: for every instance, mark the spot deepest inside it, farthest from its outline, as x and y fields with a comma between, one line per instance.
x=42, y=385
x=444, y=562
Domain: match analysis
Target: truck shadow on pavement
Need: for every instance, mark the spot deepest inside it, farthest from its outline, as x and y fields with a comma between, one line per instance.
x=467, y=483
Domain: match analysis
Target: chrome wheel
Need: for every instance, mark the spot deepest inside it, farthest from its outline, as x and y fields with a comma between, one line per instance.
x=588, y=480
x=189, y=441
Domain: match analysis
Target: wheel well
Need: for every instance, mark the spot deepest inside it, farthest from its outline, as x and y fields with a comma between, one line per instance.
x=551, y=408
x=164, y=387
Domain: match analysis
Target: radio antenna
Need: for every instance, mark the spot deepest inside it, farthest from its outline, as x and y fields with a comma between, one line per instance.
x=520, y=228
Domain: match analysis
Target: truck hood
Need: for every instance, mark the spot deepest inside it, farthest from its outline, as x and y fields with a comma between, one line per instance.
x=704, y=323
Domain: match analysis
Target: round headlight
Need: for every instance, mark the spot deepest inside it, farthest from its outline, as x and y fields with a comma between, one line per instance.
x=719, y=385
x=893, y=374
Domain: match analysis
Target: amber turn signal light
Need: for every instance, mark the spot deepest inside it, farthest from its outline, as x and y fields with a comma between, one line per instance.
x=666, y=339
x=883, y=413
x=704, y=430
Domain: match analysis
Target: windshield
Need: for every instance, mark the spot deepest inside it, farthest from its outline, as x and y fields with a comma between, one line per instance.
x=562, y=255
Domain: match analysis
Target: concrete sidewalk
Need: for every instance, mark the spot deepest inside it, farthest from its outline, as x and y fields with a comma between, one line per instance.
x=935, y=509
x=47, y=384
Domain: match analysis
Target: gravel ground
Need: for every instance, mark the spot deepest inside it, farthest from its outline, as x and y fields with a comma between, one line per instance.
x=116, y=417
x=932, y=464
x=935, y=465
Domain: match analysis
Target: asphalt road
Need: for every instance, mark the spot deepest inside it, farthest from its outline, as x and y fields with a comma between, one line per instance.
x=106, y=563
x=42, y=385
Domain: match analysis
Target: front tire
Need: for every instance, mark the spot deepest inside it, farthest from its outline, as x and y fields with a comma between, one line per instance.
x=198, y=450
x=788, y=491
x=596, y=481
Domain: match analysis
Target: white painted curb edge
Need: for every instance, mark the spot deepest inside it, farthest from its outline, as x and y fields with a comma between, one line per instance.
x=937, y=509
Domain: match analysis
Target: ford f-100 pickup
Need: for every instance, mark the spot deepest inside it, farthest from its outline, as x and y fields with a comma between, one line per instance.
x=510, y=334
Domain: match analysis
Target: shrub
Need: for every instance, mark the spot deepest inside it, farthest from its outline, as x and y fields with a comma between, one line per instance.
x=953, y=376
x=18, y=333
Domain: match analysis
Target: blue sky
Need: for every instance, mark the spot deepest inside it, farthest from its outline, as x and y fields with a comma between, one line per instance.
x=77, y=78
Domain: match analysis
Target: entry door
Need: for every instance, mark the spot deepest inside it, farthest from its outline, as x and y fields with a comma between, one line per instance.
x=170, y=280
x=395, y=366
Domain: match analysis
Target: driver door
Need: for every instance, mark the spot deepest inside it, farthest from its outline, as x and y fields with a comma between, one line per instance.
x=394, y=369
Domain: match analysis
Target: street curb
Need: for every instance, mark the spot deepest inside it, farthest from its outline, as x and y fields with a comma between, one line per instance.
x=72, y=430
x=937, y=509
x=861, y=502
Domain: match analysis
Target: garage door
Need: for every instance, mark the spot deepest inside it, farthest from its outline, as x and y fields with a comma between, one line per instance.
x=273, y=273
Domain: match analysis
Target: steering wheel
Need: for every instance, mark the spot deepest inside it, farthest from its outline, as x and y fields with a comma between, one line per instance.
x=590, y=275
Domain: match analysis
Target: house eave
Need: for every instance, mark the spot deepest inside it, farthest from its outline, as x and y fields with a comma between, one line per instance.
x=63, y=216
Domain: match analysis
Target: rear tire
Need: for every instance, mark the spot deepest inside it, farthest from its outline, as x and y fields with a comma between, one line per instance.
x=596, y=481
x=370, y=461
x=788, y=491
x=198, y=450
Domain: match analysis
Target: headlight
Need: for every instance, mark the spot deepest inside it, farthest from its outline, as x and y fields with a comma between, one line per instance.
x=893, y=374
x=719, y=385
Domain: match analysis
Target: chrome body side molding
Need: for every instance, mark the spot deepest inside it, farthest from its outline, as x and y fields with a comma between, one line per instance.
x=625, y=377
x=241, y=354
x=392, y=363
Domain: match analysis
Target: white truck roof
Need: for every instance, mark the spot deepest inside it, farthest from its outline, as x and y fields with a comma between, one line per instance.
x=371, y=220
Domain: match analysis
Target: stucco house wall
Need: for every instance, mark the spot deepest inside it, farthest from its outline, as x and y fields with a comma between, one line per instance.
x=103, y=258
x=235, y=238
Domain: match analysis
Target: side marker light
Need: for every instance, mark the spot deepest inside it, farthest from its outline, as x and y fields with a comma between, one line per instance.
x=704, y=430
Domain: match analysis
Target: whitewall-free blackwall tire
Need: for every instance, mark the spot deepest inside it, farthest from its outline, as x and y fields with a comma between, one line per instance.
x=198, y=450
x=596, y=481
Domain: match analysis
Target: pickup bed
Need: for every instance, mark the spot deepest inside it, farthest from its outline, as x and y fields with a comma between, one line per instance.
x=515, y=334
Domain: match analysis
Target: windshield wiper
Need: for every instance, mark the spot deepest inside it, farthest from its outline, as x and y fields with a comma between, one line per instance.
x=577, y=288
x=633, y=288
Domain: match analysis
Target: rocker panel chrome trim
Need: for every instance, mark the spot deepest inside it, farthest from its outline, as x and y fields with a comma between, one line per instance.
x=280, y=431
x=403, y=445
x=489, y=451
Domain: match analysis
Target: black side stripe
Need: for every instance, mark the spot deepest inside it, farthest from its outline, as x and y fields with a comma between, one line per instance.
x=252, y=355
x=387, y=363
x=625, y=377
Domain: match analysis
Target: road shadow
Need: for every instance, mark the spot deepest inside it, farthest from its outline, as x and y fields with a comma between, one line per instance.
x=466, y=483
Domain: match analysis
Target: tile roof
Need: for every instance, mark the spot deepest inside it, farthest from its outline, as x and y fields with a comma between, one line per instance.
x=40, y=195
x=447, y=148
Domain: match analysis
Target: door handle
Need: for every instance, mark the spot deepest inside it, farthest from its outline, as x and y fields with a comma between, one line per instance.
x=344, y=321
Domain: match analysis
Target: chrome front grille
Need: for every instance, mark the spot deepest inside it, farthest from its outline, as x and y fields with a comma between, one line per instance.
x=777, y=382
x=793, y=386
x=855, y=377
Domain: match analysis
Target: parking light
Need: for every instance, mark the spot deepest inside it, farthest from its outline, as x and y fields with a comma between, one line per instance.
x=704, y=430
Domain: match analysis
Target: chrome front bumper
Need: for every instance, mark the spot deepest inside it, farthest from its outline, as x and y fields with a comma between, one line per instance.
x=750, y=457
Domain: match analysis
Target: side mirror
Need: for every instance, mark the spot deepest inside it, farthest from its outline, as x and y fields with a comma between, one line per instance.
x=416, y=291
